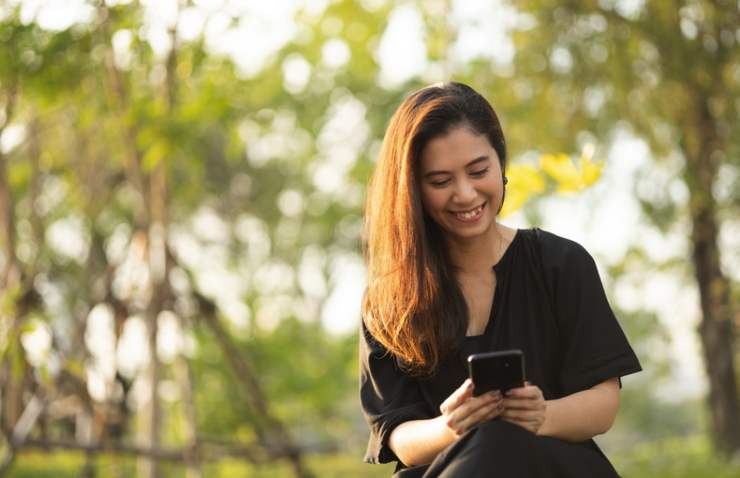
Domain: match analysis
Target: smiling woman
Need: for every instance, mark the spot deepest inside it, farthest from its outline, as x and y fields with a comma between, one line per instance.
x=446, y=280
x=457, y=191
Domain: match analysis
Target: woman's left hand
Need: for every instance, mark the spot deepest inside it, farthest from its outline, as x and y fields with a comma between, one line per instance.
x=525, y=407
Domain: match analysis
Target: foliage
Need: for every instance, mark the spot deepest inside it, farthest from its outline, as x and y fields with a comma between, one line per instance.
x=526, y=181
x=264, y=183
x=675, y=458
x=658, y=72
x=688, y=457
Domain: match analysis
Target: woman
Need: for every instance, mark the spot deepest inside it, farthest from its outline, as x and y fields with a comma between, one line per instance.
x=447, y=280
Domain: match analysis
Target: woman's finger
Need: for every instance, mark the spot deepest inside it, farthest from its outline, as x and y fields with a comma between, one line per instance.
x=495, y=412
x=480, y=414
x=520, y=421
x=472, y=405
x=524, y=404
x=520, y=416
x=458, y=397
x=529, y=391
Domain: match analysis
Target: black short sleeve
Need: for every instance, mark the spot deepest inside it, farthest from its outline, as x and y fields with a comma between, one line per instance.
x=594, y=347
x=388, y=396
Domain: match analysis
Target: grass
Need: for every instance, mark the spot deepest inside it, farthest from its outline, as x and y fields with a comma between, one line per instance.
x=672, y=458
x=686, y=457
x=65, y=464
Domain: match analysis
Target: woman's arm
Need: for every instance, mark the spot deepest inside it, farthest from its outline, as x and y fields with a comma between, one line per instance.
x=576, y=417
x=418, y=442
x=582, y=415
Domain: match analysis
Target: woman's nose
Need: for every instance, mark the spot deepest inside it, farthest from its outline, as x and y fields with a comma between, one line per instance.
x=464, y=192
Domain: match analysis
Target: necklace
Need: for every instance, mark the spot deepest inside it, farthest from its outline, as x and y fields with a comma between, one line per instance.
x=499, y=249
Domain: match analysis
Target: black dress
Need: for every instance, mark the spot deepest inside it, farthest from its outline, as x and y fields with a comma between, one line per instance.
x=549, y=302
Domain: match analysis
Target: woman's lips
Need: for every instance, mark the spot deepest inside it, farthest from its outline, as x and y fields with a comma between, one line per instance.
x=470, y=215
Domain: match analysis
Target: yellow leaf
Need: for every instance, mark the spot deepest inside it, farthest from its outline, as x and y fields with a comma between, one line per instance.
x=526, y=177
x=562, y=170
x=590, y=171
x=524, y=181
x=569, y=177
x=515, y=199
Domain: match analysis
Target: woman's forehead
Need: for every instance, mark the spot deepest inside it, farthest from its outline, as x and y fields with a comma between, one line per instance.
x=455, y=149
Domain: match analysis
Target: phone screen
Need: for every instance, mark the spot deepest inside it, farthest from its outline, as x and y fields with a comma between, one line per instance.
x=496, y=371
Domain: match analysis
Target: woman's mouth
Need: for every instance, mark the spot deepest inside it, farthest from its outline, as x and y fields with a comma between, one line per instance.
x=470, y=215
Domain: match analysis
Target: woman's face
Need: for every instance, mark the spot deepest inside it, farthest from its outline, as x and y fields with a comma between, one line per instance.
x=461, y=183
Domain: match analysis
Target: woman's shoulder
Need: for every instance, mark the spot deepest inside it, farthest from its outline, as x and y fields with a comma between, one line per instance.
x=556, y=251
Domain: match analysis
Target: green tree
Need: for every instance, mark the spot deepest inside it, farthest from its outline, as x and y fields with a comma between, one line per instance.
x=166, y=167
x=669, y=71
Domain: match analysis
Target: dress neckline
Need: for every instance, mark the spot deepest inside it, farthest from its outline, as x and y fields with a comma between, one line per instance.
x=505, y=256
x=497, y=267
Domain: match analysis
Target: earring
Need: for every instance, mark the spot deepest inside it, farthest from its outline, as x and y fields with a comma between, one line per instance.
x=506, y=180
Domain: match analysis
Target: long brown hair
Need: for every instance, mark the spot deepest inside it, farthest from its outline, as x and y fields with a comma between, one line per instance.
x=414, y=305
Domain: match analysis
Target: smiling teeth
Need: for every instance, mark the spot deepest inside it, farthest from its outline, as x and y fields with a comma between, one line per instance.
x=470, y=214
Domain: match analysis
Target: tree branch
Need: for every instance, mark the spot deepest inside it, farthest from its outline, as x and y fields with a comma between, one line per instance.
x=267, y=426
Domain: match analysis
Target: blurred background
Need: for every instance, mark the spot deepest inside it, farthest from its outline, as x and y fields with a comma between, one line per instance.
x=181, y=199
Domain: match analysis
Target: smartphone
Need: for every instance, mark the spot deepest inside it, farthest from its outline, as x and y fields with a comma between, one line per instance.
x=496, y=370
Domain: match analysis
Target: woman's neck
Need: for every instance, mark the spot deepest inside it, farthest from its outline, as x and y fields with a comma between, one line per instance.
x=481, y=253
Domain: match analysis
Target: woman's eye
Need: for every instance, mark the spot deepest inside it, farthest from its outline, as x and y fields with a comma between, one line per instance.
x=439, y=184
x=479, y=173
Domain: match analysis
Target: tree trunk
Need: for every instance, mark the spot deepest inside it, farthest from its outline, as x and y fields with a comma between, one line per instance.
x=10, y=281
x=716, y=327
x=9, y=270
x=716, y=331
x=157, y=259
x=267, y=427
x=190, y=432
x=9, y=276
x=149, y=467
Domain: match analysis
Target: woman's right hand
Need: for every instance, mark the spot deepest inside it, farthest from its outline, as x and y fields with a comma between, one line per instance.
x=461, y=410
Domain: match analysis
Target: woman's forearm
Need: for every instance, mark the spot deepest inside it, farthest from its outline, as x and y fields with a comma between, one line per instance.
x=577, y=417
x=418, y=442
x=582, y=415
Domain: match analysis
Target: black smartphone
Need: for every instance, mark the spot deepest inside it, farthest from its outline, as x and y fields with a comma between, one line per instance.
x=496, y=370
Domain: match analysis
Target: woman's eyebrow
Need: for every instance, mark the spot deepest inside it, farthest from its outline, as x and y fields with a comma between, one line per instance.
x=477, y=160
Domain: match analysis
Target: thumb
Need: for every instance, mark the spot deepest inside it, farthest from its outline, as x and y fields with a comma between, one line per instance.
x=457, y=397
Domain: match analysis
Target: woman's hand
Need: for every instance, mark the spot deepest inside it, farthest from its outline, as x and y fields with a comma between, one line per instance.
x=525, y=406
x=461, y=411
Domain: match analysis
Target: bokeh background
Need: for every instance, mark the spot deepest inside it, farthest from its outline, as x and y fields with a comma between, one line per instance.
x=181, y=197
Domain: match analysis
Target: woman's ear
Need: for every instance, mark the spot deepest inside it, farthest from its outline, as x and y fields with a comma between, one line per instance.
x=503, y=195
